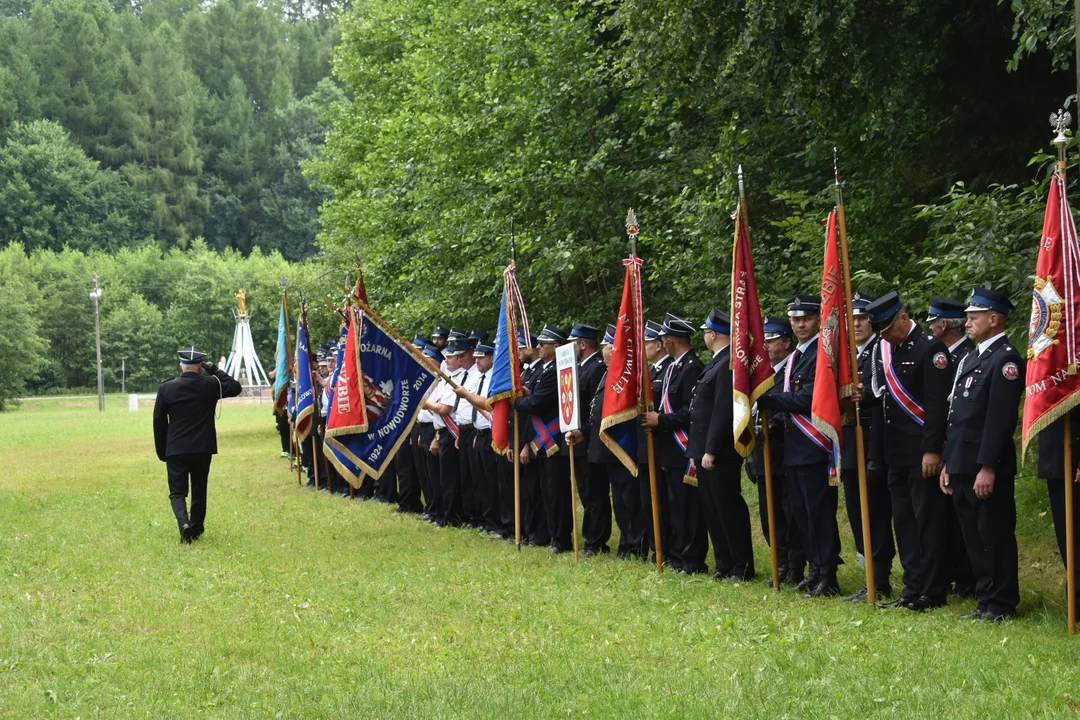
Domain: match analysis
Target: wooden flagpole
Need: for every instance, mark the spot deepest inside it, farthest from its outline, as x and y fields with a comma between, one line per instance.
x=864, y=497
x=573, y=503
x=770, y=501
x=632, y=230
x=517, y=429
x=1060, y=121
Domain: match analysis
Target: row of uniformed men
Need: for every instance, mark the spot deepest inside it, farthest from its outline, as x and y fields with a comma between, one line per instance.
x=939, y=411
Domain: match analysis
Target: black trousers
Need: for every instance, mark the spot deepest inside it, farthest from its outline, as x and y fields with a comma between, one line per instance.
x=282, y=422
x=505, y=470
x=689, y=538
x=449, y=479
x=428, y=465
x=408, y=473
x=188, y=472
x=989, y=528
x=557, y=498
x=595, y=495
x=386, y=487
x=629, y=513
x=919, y=517
x=958, y=570
x=486, y=483
x=880, y=506
x=534, y=524
x=727, y=517
x=470, y=510
x=790, y=554
x=1055, y=488
x=311, y=451
x=647, y=508
x=815, y=503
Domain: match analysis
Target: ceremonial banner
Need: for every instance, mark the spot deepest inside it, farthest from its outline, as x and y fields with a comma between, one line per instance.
x=832, y=380
x=394, y=383
x=305, y=398
x=1052, y=380
x=622, y=384
x=347, y=414
x=566, y=364
x=506, y=366
x=282, y=374
x=750, y=366
x=346, y=467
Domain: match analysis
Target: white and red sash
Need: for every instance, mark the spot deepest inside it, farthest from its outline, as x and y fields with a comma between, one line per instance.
x=681, y=438
x=803, y=421
x=897, y=390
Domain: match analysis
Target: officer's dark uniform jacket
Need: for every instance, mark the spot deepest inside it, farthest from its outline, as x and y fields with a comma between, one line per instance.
x=983, y=415
x=184, y=412
x=924, y=368
x=960, y=351
x=711, y=411
x=1052, y=448
x=529, y=375
x=656, y=379
x=543, y=400
x=755, y=464
x=684, y=375
x=598, y=451
x=799, y=450
x=591, y=374
x=871, y=416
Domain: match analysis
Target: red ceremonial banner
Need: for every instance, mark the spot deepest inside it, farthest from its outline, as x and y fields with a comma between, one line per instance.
x=1052, y=380
x=622, y=383
x=348, y=411
x=750, y=365
x=832, y=380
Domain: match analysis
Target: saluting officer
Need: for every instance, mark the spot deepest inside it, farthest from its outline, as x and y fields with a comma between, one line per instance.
x=946, y=318
x=912, y=371
x=873, y=421
x=669, y=424
x=980, y=457
x=791, y=555
x=806, y=460
x=711, y=448
x=185, y=437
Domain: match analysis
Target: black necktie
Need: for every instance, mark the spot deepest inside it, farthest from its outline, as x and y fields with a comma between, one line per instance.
x=480, y=392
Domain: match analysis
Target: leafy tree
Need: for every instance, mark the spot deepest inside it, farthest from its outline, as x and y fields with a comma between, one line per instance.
x=53, y=196
x=21, y=345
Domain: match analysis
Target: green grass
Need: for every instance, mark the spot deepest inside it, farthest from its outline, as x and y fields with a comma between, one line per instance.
x=297, y=604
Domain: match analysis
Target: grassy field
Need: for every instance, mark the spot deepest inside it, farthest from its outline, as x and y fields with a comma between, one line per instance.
x=297, y=604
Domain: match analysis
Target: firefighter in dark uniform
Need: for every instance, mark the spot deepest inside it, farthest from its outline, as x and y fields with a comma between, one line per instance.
x=946, y=318
x=718, y=464
x=592, y=481
x=669, y=425
x=880, y=505
x=911, y=376
x=780, y=344
x=1052, y=470
x=534, y=527
x=806, y=461
x=659, y=360
x=541, y=404
x=980, y=456
x=185, y=437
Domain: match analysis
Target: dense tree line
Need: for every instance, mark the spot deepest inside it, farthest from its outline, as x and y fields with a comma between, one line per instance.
x=166, y=120
x=152, y=304
x=465, y=117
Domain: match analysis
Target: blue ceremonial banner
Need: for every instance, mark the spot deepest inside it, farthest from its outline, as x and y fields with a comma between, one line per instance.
x=305, y=398
x=395, y=382
x=290, y=405
x=281, y=361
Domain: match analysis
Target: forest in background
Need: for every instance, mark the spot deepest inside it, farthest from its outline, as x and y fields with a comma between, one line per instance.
x=182, y=150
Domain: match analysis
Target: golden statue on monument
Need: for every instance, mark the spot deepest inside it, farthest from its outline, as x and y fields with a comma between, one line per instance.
x=241, y=301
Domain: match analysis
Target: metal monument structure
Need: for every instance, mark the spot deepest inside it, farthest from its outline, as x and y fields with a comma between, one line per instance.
x=243, y=364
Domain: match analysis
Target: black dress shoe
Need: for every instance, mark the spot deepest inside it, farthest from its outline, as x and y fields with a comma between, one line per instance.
x=990, y=616
x=975, y=614
x=807, y=583
x=827, y=587
x=924, y=603
x=900, y=602
x=791, y=578
x=186, y=533
x=857, y=597
x=588, y=552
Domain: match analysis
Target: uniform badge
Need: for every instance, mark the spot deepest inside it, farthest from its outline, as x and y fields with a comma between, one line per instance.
x=1010, y=371
x=1046, y=309
x=940, y=361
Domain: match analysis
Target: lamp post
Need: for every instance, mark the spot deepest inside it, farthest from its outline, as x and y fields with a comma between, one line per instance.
x=95, y=295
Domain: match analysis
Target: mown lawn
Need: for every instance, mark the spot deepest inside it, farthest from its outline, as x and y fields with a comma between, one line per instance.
x=297, y=604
